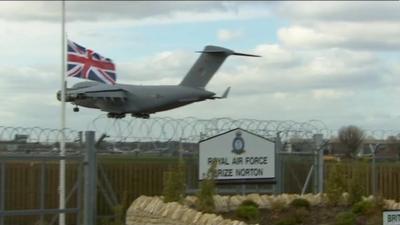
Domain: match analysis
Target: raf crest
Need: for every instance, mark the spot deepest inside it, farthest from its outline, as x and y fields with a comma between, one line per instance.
x=238, y=144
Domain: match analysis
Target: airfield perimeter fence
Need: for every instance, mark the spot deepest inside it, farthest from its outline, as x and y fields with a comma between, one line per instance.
x=125, y=176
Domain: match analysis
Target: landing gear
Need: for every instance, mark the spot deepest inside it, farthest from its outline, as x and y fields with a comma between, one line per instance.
x=116, y=115
x=76, y=109
x=122, y=115
x=141, y=115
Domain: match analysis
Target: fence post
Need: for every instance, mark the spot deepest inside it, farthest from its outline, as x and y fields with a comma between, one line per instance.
x=90, y=179
x=318, y=163
x=373, y=171
x=2, y=189
x=278, y=165
x=42, y=191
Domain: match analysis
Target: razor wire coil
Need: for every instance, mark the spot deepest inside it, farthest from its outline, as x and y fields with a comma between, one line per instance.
x=189, y=129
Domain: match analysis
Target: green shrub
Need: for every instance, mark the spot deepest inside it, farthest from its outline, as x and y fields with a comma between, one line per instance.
x=287, y=221
x=249, y=203
x=300, y=203
x=205, y=196
x=356, y=182
x=356, y=191
x=335, y=184
x=363, y=208
x=301, y=215
x=175, y=184
x=278, y=205
x=118, y=212
x=295, y=216
x=249, y=213
x=345, y=218
x=119, y=215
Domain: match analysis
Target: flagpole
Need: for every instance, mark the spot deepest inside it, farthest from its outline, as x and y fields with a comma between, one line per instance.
x=61, y=218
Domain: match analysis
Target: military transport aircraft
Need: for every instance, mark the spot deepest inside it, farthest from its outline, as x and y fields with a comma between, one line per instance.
x=141, y=101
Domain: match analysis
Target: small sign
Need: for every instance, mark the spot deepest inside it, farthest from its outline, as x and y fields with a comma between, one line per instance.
x=391, y=217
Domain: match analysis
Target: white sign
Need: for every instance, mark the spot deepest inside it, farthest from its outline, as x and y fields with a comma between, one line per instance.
x=240, y=155
x=391, y=218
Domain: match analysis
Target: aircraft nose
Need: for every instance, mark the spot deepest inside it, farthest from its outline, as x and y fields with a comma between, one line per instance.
x=68, y=97
x=59, y=95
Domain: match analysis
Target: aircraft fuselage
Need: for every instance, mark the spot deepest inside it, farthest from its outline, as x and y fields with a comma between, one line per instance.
x=134, y=99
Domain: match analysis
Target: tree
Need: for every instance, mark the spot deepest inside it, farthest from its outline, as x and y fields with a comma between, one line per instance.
x=175, y=183
x=352, y=138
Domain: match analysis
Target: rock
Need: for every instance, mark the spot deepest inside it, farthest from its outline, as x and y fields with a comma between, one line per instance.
x=256, y=198
x=216, y=220
x=265, y=202
x=314, y=200
x=225, y=222
x=203, y=220
x=197, y=217
x=283, y=198
x=153, y=211
x=390, y=204
x=190, y=201
x=221, y=203
x=190, y=215
x=369, y=198
x=153, y=205
x=235, y=201
x=168, y=209
x=278, y=203
x=178, y=213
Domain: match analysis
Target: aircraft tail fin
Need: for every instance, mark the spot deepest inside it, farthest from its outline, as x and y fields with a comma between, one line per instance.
x=207, y=64
x=224, y=95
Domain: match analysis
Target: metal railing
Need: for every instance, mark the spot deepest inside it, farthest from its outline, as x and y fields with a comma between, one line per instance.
x=86, y=178
x=40, y=210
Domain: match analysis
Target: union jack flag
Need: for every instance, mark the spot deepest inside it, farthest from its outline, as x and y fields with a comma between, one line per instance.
x=87, y=64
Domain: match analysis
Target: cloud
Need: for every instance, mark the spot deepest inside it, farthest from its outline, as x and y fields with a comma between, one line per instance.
x=15, y=77
x=143, y=12
x=329, y=94
x=274, y=54
x=340, y=11
x=95, y=11
x=23, y=43
x=376, y=36
x=29, y=94
x=370, y=26
x=227, y=35
x=282, y=70
x=168, y=66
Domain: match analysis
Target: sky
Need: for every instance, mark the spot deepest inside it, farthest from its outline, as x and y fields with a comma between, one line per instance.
x=337, y=62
